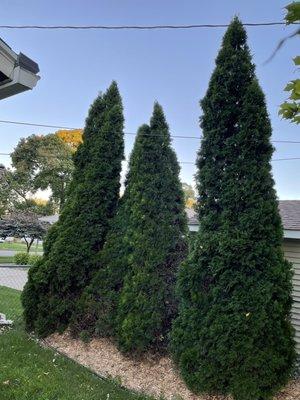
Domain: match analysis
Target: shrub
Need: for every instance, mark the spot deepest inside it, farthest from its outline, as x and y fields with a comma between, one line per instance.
x=156, y=235
x=233, y=333
x=21, y=258
x=34, y=258
x=144, y=248
x=33, y=293
x=96, y=311
x=69, y=261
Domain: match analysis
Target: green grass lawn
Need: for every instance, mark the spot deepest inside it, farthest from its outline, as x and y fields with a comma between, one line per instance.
x=18, y=246
x=6, y=259
x=30, y=372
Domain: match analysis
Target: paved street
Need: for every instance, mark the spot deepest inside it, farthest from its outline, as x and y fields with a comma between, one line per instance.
x=13, y=277
x=11, y=253
x=7, y=253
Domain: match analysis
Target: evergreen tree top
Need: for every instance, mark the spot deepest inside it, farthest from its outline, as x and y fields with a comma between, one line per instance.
x=235, y=35
x=108, y=101
x=229, y=82
x=157, y=132
x=234, y=58
x=159, y=125
x=112, y=95
x=153, y=143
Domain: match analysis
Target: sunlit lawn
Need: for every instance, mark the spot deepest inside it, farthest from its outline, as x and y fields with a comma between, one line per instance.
x=19, y=246
x=30, y=372
x=6, y=260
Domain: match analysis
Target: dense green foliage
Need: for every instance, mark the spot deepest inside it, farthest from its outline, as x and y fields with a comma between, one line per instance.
x=29, y=371
x=144, y=248
x=44, y=162
x=97, y=308
x=156, y=238
x=26, y=258
x=233, y=333
x=16, y=194
x=96, y=311
x=56, y=283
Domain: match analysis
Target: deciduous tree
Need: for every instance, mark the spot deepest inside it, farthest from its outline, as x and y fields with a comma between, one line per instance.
x=189, y=195
x=72, y=137
x=16, y=195
x=44, y=162
x=290, y=109
x=24, y=225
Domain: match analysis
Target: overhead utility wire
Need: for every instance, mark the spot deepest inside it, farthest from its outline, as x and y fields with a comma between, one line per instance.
x=135, y=27
x=126, y=133
x=180, y=162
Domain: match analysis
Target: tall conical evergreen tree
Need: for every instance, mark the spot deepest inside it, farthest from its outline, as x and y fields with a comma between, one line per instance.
x=233, y=333
x=68, y=265
x=156, y=236
x=98, y=306
x=96, y=310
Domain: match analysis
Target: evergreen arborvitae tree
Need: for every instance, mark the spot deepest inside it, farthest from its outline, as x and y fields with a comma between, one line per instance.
x=156, y=239
x=96, y=310
x=35, y=288
x=233, y=333
x=69, y=262
x=98, y=307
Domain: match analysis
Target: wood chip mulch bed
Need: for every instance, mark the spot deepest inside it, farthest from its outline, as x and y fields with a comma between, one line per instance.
x=152, y=376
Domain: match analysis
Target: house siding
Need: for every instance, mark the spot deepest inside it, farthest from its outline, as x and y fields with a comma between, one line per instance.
x=292, y=253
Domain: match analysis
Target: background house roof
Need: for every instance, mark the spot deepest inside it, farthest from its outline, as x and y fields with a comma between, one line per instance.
x=191, y=216
x=289, y=212
x=50, y=218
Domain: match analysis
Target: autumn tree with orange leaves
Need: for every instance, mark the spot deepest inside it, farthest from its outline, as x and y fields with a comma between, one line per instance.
x=72, y=137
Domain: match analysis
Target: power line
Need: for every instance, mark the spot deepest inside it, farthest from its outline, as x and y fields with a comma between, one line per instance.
x=71, y=128
x=136, y=27
x=286, y=159
x=34, y=124
x=285, y=141
x=180, y=162
x=126, y=133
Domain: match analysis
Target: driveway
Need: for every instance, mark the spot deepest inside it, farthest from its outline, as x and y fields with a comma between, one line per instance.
x=13, y=277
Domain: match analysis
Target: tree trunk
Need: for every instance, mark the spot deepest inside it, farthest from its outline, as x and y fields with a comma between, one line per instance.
x=28, y=243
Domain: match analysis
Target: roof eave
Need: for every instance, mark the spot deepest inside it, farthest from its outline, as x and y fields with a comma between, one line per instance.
x=287, y=233
x=19, y=72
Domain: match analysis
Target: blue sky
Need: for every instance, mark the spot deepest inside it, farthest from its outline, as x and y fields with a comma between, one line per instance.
x=172, y=67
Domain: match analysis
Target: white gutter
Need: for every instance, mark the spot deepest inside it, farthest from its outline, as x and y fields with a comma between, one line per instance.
x=21, y=80
x=18, y=72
